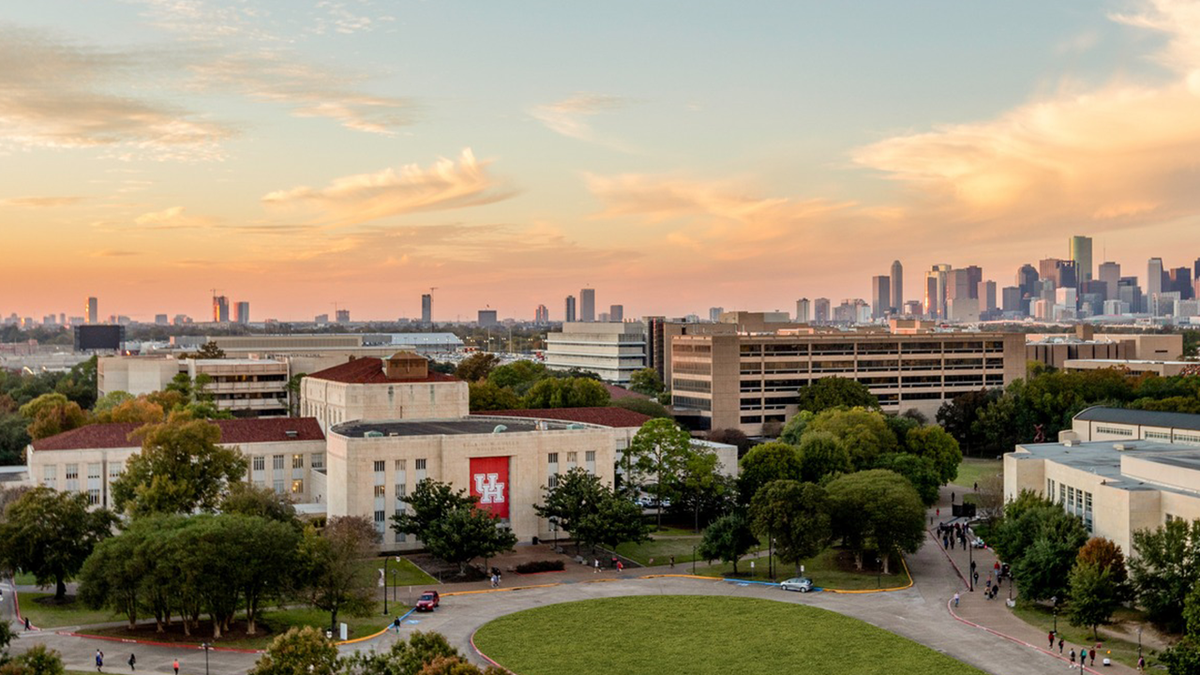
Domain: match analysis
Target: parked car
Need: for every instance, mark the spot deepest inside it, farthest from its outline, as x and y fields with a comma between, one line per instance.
x=978, y=543
x=428, y=601
x=802, y=584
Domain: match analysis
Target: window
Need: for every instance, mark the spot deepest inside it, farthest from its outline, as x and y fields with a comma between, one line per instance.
x=260, y=463
x=553, y=458
x=297, y=486
x=114, y=470
x=277, y=462
x=297, y=461
x=318, y=460
x=400, y=536
x=1158, y=436
x=93, y=483
x=420, y=465
x=49, y=475
x=379, y=520
x=552, y=481
x=278, y=486
x=72, y=484
x=380, y=466
x=1114, y=431
x=380, y=490
x=590, y=456
x=1087, y=511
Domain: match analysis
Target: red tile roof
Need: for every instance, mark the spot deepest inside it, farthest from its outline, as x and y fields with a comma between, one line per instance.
x=615, y=392
x=369, y=370
x=233, y=432
x=619, y=418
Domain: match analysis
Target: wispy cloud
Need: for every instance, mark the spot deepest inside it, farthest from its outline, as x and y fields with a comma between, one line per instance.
x=570, y=116
x=41, y=202
x=114, y=253
x=391, y=192
x=173, y=218
x=67, y=95
x=349, y=18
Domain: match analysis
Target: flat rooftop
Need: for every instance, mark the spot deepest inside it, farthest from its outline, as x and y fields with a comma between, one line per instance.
x=450, y=427
x=1102, y=458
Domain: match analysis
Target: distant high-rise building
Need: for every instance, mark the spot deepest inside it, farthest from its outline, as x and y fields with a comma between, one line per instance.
x=569, y=314
x=616, y=313
x=881, y=296
x=427, y=308
x=1154, y=277
x=603, y=318
x=1062, y=272
x=161, y=320
x=487, y=318
x=1130, y=293
x=92, y=310
x=342, y=315
x=987, y=296
x=587, y=305
x=961, y=285
x=220, y=309
x=1010, y=300
x=321, y=318
x=241, y=312
x=1081, y=255
x=912, y=308
x=974, y=278
x=1027, y=280
x=1181, y=282
x=821, y=310
x=541, y=315
x=714, y=313
x=802, y=310
x=1110, y=274
x=935, y=291
x=897, y=287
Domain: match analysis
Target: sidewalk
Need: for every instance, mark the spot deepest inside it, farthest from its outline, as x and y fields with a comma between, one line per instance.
x=995, y=615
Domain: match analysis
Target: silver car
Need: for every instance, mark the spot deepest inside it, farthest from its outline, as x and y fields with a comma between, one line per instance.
x=802, y=584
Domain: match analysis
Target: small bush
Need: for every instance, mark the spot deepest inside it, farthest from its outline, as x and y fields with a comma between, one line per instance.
x=535, y=566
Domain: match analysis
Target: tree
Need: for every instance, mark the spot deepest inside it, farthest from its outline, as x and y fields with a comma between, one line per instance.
x=517, y=377
x=702, y=487
x=727, y=539
x=112, y=575
x=140, y=410
x=179, y=470
x=52, y=414
x=51, y=534
x=422, y=654
x=768, y=462
x=487, y=396
x=934, y=443
x=569, y=392
x=659, y=450
x=429, y=503
x=476, y=367
x=795, y=427
x=878, y=509
x=919, y=471
x=864, y=433
x=294, y=383
x=465, y=533
x=209, y=350
x=821, y=455
x=1095, y=595
x=576, y=495
x=615, y=521
x=248, y=499
x=333, y=577
x=960, y=418
x=646, y=382
x=6, y=638
x=1108, y=556
x=795, y=515
x=1043, y=569
x=1182, y=658
x=38, y=660
x=644, y=406
x=835, y=392
x=732, y=436
x=300, y=651
x=1165, y=569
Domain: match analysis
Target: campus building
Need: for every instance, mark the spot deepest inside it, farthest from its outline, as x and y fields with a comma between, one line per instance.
x=244, y=387
x=614, y=351
x=1119, y=470
x=747, y=381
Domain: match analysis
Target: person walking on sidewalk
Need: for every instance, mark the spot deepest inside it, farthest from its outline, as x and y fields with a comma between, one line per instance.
x=132, y=662
x=175, y=665
x=1060, y=645
x=956, y=598
x=99, y=660
x=1072, y=657
x=1051, y=638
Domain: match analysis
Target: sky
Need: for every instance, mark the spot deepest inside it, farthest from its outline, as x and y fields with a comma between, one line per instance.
x=307, y=154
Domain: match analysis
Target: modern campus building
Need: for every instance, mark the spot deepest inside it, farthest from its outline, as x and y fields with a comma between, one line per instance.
x=244, y=387
x=1119, y=470
x=745, y=381
x=614, y=351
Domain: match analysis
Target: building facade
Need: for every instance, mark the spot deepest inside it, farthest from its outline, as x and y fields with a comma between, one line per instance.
x=746, y=381
x=244, y=387
x=614, y=351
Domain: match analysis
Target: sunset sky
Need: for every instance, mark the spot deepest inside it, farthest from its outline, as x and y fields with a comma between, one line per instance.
x=672, y=155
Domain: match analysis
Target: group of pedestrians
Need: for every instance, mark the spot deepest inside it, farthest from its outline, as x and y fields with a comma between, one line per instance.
x=956, y=533
x=132, y=661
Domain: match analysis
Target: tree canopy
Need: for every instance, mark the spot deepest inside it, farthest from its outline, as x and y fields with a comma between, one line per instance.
x=878, y=510
x=768, y=462
x=796, y=515
x=863, y=432
x=835, y=392
x=51, y=534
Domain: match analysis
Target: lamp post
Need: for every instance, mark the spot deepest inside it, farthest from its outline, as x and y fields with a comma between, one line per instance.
x=1054, y=601
x=879, y=572
x=385, y=575
x=394, y=571
x=554, y=529
x=205, y=646
x=694, y=546
x=1139, y=644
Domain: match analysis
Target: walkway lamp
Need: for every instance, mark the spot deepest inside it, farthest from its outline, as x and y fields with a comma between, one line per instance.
x=206, y=647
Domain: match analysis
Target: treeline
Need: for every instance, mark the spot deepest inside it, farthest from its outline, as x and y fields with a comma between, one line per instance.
x=990, y=422
x=18, y=389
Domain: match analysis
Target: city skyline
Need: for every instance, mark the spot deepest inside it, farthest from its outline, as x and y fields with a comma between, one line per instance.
x=297, y=156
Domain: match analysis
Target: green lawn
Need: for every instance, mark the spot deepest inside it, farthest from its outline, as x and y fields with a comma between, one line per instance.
x=1042, y=617
x=823, y=569
x=402, y=573
x=973, y=470
x=660, y=550
x=56, y=616
x=24, y=579
x=700, y=635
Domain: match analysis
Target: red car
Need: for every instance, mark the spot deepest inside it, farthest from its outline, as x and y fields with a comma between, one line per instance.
x=428, y=601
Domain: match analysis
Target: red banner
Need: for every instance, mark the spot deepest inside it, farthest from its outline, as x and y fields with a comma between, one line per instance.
x=489, y=482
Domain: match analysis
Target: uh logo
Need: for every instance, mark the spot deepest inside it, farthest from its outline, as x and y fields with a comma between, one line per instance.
x=489, y=487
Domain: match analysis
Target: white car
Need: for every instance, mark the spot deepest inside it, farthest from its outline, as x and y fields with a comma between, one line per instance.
x=802, y=584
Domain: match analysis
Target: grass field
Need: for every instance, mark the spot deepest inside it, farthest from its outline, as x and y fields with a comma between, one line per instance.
x=823, y=569
x=402, y=573
x=973, y=470
x=56, y=616
x=700, y=635
x=1122, y=651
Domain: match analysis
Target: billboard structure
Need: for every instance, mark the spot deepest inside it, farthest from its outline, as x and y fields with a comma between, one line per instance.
x=489, y=482
x=97, y=338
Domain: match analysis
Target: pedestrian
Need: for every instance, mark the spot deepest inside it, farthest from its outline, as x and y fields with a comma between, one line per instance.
x=951, y=497
x=972, y=567
x=1051, y=638
x=977, y=486
x=956, y=598
x=1092, y=657
x=175, y=665
x=620, y=566
x=27, y=623
x=396, y=625
x=1060, y=644
x=945, y=542
x=939, y=512
x=975, y=576
x=99, y=660
x=1141, y=664
x=132, y=662
x=672, y=562
x=1072, y=657
x=596, y=568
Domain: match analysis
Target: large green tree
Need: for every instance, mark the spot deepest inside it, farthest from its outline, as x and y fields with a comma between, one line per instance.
x=575, y=495
x=656, y=457
x=428, y=505
x=50, y=534
x=517, y=377
x=933, y=443
x=477, y=366
x=727, y=539
x=765, y=463
x=52, y=414
x=1094, y=594
x=822, y=455
x=646, y=382
x=486, y=396
x=465, y=533
x=877, y=509
x=703, y=487
x=796, y=515
x=300, y=651
x=1041, y=542
x=566, y=392
x=180, y=469
x=864, y=433
x=834, y=392
x=331, y=566
x=1165, y=569
x=919, y=471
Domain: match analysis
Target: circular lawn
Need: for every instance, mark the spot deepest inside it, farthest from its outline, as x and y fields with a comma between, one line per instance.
x=699, y=635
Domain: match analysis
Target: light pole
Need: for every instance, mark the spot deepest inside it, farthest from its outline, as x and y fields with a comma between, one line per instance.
x=770, y=556
x=694, y=559
x=1139, y=645
x=205, y=646
x=385, y=575
x=554, y=529
x=1054, y=601
x=879, y=572
x=394, y=571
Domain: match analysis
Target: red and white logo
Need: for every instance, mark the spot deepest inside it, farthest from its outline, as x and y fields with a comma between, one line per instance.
x=489, y=483
x=489, y=488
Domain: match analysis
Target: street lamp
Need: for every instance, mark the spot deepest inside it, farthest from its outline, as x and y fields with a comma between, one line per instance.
x=1054, y=601
x=1139, y=645
x=385, y=576
x=879, y=572
x=205, y=646
x=394, y=571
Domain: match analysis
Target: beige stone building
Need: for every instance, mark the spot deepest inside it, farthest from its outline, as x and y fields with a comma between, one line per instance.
x=284, y=453
x=1119, y=470
x=614, y=351
x=398, y=388
x=1135, y=366
x=749, y=380
x=244, y=387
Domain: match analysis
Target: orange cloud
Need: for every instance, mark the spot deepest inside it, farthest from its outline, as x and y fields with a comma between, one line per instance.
x=391, y=192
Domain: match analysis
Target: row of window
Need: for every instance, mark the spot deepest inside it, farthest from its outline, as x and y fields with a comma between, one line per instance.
x=1074, y=501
